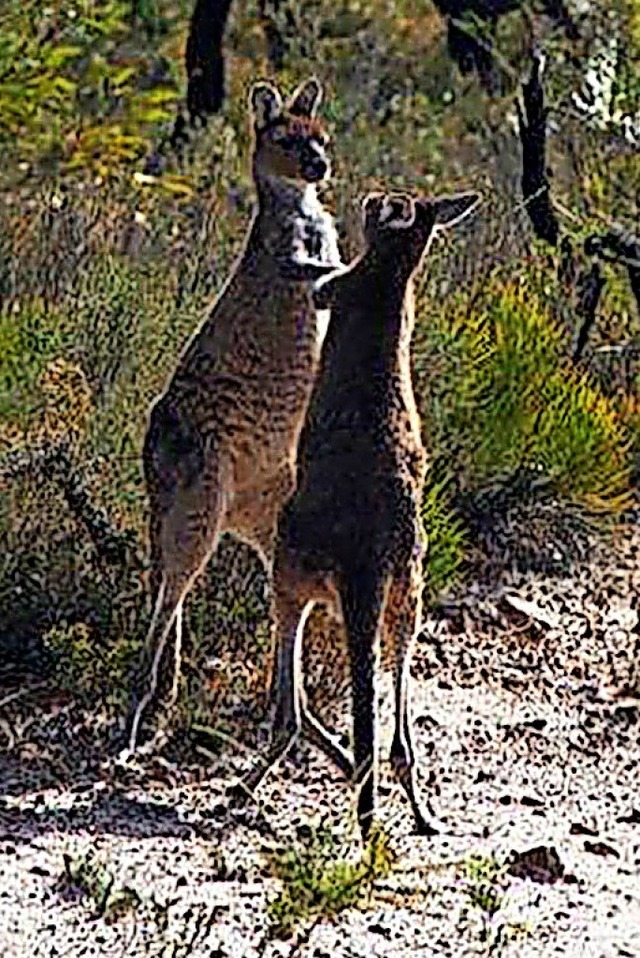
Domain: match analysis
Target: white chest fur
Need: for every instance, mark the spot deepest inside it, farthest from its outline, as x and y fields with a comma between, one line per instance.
x=303, y=229
x=316, y=238
x=305, y=234
x=314, y=229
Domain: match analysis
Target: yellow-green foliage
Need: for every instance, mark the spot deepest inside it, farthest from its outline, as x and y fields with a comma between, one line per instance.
x=31, y=336
x=446, y=537
x=70, y=91
x=498, y=393
x=318, y=879
x=486, y=882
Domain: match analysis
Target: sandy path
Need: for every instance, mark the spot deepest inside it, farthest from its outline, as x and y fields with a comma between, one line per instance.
x=513, y=733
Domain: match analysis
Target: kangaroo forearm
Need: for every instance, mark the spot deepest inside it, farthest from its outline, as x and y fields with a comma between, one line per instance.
x=304, y=270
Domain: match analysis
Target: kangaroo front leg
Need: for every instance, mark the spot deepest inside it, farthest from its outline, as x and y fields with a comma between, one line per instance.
x=402, y=621
x=303, y=269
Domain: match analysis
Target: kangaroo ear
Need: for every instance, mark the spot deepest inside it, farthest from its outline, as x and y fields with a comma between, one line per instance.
x=371, y=206
x=306, y=98
x=448, y=211
x=398, y=212
x=391, y=210
x=266, y=104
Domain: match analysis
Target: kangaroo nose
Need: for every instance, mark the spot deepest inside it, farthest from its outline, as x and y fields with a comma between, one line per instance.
x=316, y=164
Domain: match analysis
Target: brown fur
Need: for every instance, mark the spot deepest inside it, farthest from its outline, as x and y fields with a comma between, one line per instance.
x=219, y=454
x=352, y=532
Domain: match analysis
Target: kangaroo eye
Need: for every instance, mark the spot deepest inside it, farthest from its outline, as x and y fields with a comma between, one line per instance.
x=278, y=135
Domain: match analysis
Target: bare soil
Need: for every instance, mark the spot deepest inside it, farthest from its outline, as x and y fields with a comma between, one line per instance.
x=527, y=731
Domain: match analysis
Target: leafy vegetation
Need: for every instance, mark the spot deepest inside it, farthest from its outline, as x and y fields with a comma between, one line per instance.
x=72, y=95
x=319, y=880
x=484, y=879
x=109, y=898
x=501, y=358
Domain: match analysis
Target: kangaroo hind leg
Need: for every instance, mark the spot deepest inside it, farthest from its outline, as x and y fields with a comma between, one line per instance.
x=287, y=692
x=184, y=535
x=402, y=621
x=291, y=613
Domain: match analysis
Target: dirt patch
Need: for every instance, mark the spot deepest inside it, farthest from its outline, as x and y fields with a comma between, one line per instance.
x=527, y=729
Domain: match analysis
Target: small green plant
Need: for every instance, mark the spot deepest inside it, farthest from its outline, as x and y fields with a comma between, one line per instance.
x=485, y=882
x=111, y=899
x=319, y=879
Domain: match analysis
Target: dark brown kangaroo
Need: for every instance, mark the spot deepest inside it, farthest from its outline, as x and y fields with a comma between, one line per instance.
x=219, y=455
x=352, y=532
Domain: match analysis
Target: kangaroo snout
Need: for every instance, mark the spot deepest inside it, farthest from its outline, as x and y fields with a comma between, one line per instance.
x=315, y=164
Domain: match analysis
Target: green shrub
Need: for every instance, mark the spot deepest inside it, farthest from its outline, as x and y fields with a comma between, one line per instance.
x=446, y=537
x=498, y=393
x=71, y=93
x=31, y=337
x=318, y=879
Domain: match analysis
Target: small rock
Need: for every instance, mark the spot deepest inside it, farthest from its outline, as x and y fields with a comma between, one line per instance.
x=633, y=818
x=601, y=848
x=537, y=724
x=578, y=828
x=541, y=864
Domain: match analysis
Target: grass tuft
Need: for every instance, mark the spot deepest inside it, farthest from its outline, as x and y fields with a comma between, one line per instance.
x=319, y=880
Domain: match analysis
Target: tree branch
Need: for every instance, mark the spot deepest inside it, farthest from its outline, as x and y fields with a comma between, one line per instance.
x=533, y=135
x=619, y=246
x=590, y=286
x=56, y=464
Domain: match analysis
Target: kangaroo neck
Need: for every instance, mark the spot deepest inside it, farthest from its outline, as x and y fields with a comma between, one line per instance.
x=369, y=336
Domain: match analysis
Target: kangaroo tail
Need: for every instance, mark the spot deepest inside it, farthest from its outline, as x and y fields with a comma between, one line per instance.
x=363, y=600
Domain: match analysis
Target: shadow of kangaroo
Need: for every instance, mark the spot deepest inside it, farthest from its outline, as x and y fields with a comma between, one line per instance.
x=219, y=453
x=352, y=532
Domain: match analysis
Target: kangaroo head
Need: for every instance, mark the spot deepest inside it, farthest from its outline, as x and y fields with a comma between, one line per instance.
x=290, y=142
x=398, y=230
x=400, y=227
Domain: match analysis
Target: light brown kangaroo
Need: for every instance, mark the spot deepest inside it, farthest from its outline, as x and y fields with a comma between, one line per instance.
x=219, y=454
x=352, y=532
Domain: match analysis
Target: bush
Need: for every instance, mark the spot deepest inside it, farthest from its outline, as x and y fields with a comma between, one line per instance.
x=318, y=879
x=446, y=537
x=498, y=393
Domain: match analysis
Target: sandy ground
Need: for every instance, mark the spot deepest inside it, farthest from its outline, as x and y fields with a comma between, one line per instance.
x=521, y=743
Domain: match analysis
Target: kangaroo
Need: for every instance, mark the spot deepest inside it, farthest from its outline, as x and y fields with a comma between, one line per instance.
x=219, y=453
x=351, y=534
